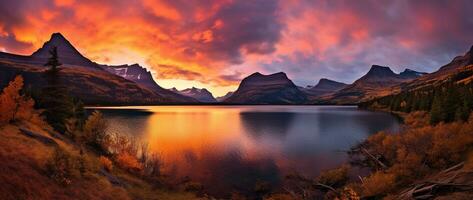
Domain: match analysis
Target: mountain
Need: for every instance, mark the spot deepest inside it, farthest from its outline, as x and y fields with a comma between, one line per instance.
x=442, y=73
x=93, y=87
x=323, y=87
x=459, y=61
x=68, y=54
x=267, y=89
x=379, y=81
x=202, y=95
x=144, y=78
x=89, y=81
x=446, y=94
x=222, y=98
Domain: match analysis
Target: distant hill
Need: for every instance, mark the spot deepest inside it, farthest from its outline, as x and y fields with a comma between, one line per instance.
x=201, y=95
x=324, y=87
x=267, y=89
x=379, y=81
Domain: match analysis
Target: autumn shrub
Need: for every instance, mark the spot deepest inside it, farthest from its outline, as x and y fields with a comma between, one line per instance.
x=348, y=193
x=95, y=132
x=378, y=184
x=334, y=177
x=14, y=105
x=62, y=166
x=152, y=165
x=417, y=119
x=413, y=154
x=106, y=163
x=128, y=162
x=121, y=144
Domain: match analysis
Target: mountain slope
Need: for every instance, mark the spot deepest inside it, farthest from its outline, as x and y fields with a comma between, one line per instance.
x=143, y=77
x=267, y=89
x=324, y=86
x=91, y=86
x=442, y=73
x=226, y=96
x=379, y=81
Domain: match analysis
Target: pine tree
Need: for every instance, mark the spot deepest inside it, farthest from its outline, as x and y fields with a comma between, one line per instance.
x=436, y=114
x=54, y=97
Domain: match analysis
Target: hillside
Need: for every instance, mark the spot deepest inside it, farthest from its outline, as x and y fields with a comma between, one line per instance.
x=92, y=87
x=38, y=162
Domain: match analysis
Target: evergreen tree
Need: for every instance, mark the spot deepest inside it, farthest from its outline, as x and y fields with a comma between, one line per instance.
x=54, y=98
x=436, y=114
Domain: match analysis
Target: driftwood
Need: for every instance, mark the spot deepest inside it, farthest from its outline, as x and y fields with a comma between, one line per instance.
x=452, y=179
x=307, y=187
x=373, y=157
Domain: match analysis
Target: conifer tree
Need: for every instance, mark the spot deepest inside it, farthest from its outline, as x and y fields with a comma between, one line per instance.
x=54, y=97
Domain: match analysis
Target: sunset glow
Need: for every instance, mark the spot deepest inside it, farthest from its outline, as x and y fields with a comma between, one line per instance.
x=216, y=43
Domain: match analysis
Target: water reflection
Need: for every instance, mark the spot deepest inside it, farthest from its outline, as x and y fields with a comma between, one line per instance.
x=267, y=123
x=232, y=147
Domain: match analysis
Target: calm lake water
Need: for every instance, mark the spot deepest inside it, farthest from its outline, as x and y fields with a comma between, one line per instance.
x=229, y=148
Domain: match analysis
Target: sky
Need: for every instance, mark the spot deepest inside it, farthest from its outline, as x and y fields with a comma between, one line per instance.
x=216, y=43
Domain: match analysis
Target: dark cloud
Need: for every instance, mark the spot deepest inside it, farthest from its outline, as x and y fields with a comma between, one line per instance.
x=251, y=27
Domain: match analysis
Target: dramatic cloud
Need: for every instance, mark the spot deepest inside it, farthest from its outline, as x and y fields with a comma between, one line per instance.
x=214, y=43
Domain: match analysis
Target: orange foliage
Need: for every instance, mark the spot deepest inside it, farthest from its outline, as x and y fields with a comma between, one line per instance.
x=106, y=163
x=415, y=153
x=14, y=105
x=378, y=183
x=128, y=162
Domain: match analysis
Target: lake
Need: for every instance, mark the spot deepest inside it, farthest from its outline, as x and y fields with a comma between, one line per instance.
x=230, y=148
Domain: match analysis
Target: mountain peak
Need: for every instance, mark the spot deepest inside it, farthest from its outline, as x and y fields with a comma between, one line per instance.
x=380, y=71
x=323, y=81
x=67, y=53
x=57, y=36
